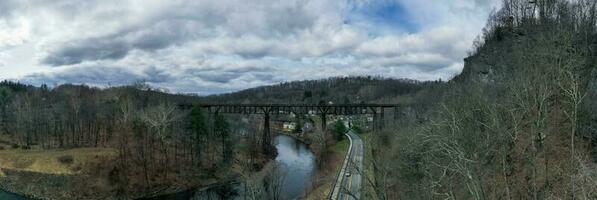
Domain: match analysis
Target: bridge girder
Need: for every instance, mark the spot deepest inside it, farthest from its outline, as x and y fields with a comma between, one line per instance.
x=334, y=109
x=376, y=110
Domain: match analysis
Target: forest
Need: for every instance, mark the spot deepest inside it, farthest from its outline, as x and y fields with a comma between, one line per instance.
x=156, y=142
x=146, y=142
x=518, y=123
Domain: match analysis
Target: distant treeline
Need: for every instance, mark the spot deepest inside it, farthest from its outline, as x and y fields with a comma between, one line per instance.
x=337, y=90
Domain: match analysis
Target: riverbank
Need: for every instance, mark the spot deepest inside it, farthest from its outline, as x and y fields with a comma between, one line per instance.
x=54, y=172
x=288, y=176
x=296, y=136
x=90, y=173
x=326, y=176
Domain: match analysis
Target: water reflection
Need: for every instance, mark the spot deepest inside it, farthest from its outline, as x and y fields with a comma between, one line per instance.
x=297, y=163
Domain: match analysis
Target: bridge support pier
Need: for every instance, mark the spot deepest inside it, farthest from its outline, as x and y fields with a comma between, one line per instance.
x=266, y=141
x=374, y=125
x=381, y=120
x=378, y=120
x=323, y=122
x=375, y=110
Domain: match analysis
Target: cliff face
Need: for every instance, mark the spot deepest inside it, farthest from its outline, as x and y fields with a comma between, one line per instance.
x=495, y=59
x=527, y=58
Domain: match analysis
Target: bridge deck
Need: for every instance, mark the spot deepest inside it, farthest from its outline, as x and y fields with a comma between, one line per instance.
x=334, y=109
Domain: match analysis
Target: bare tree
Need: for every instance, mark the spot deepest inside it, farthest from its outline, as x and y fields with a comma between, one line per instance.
x=274, y=182
x=159, y=118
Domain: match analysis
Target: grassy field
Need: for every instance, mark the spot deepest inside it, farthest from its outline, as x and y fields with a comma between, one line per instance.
x=48, y=161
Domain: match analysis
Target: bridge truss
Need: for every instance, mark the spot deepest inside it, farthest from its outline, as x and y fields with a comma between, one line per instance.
x=322, y=110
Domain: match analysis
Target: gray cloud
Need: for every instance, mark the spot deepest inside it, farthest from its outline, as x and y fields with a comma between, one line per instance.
x=181, y=22
x=98, y=75
x=211, y=46
x=221, y=76
x=224, y=77
x=155, y=75
x=87, y=50
x=251, y=69
x=192, y=81
x=266, y=77
x=7, y=7
x=116, y=46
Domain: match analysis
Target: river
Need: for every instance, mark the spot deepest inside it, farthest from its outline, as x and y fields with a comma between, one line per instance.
x=296, y=164
x=10, y=196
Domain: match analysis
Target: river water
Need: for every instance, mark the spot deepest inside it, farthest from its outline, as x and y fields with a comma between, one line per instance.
x=296, y=164
x=10, y=196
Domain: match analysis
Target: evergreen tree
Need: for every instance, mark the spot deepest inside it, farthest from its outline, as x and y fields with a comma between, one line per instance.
x=339, y=130
x=199, y=129
x=222, y=129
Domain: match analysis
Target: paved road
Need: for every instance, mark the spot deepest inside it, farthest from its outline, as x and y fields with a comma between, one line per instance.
x=349, y=187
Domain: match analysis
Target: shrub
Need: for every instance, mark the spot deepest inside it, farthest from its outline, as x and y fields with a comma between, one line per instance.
x=339, y=130
x=26, y=147
x=1, y=148
x=22, y=163
x=66, y=159
x=357, y=129
x=76, y=168
x=15, y=146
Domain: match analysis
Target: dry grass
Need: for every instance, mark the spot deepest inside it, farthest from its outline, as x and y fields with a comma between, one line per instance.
x=335, y=159
x=367, y=188
x=48, y=162
x=320, y=192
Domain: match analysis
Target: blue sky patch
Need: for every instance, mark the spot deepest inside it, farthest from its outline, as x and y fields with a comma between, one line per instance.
x=384, y=15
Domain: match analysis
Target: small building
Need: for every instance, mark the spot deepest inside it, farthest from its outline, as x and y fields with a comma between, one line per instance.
x=285, y=123
x=289, y=126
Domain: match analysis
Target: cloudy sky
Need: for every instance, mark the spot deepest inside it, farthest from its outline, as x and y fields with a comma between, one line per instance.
x=209, y=46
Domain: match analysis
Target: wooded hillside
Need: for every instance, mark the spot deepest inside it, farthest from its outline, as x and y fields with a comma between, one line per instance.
x=520, y=121
x=334, y=89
